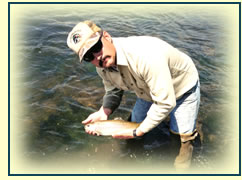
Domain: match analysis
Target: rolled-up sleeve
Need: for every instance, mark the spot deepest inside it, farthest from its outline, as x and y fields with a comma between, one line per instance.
x=113, y=95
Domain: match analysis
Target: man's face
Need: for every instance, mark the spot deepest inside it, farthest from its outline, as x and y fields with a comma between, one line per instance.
x=107, y=56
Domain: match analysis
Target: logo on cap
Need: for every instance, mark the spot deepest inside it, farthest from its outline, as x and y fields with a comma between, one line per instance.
x=76, y=38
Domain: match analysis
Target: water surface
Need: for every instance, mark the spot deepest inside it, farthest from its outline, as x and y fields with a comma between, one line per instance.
x=57, y=92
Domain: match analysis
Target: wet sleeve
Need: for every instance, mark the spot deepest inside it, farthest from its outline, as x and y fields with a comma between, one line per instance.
x=112, y=99
x=113, y=95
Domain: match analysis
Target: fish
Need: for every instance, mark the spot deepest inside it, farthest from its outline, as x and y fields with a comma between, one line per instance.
x=109, y=127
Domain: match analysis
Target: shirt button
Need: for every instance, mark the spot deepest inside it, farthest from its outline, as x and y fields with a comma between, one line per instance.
x=132, y=84
x=141, y=93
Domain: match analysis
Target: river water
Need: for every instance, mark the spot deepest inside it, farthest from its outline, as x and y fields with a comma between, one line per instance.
x=57, y=92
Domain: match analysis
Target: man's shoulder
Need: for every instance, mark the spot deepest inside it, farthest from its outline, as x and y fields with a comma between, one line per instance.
x=137, y=38
x=141, y=42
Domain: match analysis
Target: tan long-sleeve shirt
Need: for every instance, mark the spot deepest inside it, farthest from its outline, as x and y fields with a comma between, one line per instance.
x=154, y=70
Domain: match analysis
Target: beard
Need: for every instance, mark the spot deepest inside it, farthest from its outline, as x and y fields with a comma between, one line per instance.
x=101, y=63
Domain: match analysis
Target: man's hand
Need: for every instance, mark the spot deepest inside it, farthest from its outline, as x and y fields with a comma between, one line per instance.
x=127, y=134
x=102, y=114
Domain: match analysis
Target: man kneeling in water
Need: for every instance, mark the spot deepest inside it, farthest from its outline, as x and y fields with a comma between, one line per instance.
x=164, y=79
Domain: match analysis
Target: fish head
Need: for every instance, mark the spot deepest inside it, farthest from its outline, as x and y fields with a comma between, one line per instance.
x=90, y=127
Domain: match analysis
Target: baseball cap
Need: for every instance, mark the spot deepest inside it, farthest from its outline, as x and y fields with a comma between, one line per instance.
x=83, y=36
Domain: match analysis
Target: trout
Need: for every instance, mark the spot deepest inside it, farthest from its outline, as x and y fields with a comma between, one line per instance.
x=109, y=127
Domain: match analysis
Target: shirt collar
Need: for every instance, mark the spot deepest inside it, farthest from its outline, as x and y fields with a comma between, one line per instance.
x=120, y=56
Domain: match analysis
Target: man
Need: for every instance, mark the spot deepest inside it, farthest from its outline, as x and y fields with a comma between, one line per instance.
x=164, y=79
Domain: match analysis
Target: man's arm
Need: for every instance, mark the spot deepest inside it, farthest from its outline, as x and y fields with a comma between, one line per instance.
x=157, y=76
x=113, y=95
x=112, y=99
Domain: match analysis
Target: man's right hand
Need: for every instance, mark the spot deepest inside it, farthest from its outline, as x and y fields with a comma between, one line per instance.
x=102, y=114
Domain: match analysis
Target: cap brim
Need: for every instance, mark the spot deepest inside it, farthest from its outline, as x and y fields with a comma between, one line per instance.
x=88, y=45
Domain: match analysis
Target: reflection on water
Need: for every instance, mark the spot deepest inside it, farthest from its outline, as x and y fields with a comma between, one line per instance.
x=58, y=92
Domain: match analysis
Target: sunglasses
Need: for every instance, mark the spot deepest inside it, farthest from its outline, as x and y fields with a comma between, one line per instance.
x=94, y=49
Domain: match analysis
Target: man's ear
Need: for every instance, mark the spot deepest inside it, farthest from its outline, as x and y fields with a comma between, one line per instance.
x=107, y=36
